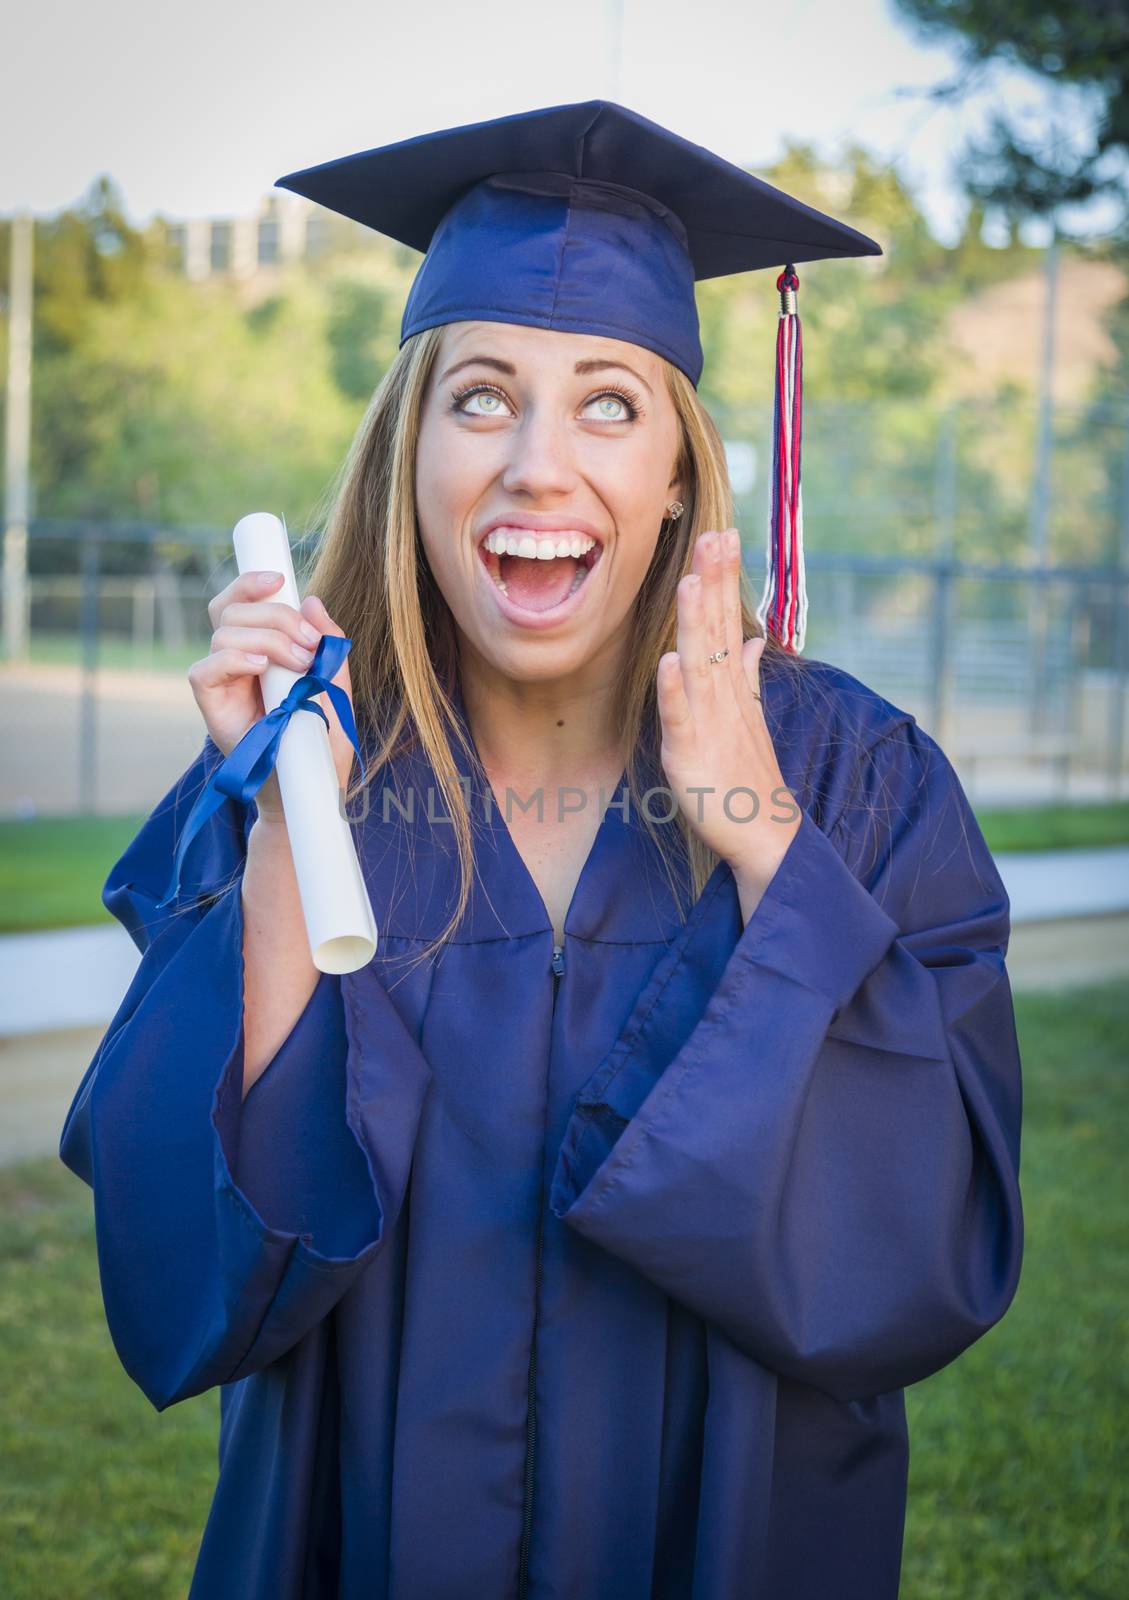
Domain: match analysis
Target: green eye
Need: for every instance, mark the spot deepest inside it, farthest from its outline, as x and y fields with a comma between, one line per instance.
x=477, y=390
x=621, y=397
x=631, y=407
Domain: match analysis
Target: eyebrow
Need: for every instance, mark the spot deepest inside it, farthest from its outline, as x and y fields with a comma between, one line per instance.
x=581, y=368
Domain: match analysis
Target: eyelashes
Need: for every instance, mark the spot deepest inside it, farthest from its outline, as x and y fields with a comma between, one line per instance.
x=629, y=399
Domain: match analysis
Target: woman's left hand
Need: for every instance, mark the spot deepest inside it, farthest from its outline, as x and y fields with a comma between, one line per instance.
x=714, y=735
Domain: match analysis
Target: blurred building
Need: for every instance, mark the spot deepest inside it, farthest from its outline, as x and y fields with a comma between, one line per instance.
x=287, y=228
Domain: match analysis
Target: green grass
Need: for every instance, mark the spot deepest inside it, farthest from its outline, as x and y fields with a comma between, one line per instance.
x=65, y=649
x=99, y=1496
x=52, y=868
x=1019, y=1478
x=1056, y=827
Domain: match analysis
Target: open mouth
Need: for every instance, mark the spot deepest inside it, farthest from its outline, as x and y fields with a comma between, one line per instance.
x=538, y=571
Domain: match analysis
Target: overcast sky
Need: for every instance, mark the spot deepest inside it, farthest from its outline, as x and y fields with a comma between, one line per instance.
x=196, y=109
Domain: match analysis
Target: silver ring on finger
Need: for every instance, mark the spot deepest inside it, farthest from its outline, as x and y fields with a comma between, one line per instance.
x=718, y=655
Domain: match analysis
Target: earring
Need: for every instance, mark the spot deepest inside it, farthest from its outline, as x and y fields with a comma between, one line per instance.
x=675, y=509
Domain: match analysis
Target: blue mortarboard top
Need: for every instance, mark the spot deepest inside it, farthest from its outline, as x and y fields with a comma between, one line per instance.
x=588, y=218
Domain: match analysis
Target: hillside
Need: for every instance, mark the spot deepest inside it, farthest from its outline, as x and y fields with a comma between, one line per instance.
x=997, y=335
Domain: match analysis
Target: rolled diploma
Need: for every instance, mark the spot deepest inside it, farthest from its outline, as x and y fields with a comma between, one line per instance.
x=335, y=900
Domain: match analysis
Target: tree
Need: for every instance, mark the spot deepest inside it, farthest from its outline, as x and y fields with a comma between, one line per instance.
x=1080, y=46
x=85, y=256
x=179, y=406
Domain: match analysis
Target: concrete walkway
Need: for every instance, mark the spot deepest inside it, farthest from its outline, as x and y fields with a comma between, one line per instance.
x=146, y=731
x=1044, y=885
x=59, y=990
x=64, y=977
x=75, y=977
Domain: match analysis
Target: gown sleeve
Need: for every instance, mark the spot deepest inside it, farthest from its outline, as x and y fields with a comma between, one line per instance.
x=200, y=1288
x=824, y=1161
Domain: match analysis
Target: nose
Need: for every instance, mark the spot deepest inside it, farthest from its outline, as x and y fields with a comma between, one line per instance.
x=540, y=460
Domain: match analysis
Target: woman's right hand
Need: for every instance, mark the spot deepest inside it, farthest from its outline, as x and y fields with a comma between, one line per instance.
x=251, y=630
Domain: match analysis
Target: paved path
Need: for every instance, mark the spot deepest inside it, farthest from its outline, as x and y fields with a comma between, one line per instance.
x=1043, y=885
x=96, y=964
x=146, y=730
x=39, y=1073
x=64, y=977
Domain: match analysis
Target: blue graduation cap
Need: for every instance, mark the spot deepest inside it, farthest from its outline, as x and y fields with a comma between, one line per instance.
x=590, y=218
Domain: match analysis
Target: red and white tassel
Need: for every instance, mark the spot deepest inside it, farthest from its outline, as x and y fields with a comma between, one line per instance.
x=783, y=610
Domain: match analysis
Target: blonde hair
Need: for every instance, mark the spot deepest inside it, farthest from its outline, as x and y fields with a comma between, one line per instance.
x=370, y=571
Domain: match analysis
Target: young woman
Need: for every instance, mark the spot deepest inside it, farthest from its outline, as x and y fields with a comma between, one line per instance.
x=583, y=1243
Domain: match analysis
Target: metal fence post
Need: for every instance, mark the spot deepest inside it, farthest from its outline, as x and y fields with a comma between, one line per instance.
x=88, y=705
x=17, y=436
x=1120, y=653
x=941, y=644
x=1041, y=492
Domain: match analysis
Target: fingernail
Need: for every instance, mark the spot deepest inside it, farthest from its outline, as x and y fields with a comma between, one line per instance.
x=732, y=541
x=300, y=655
x=310, y=634
x=268, y=577
x=258, y=660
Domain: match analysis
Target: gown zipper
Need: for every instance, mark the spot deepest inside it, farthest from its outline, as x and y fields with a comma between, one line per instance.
x=557, y=967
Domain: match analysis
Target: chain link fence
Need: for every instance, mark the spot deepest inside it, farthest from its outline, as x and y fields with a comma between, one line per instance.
x=948, y=567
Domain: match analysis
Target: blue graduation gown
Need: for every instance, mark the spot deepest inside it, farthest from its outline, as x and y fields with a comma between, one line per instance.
x=601, y=1283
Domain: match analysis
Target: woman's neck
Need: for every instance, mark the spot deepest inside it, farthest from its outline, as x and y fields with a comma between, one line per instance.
x=560, y=732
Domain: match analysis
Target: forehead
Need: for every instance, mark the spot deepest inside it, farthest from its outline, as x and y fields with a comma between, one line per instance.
x=543, y=349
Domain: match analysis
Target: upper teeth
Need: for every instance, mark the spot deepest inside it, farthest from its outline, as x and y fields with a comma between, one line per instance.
x=520, y=542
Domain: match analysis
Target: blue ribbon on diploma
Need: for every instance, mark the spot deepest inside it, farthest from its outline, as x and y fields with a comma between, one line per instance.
x=243, y=772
